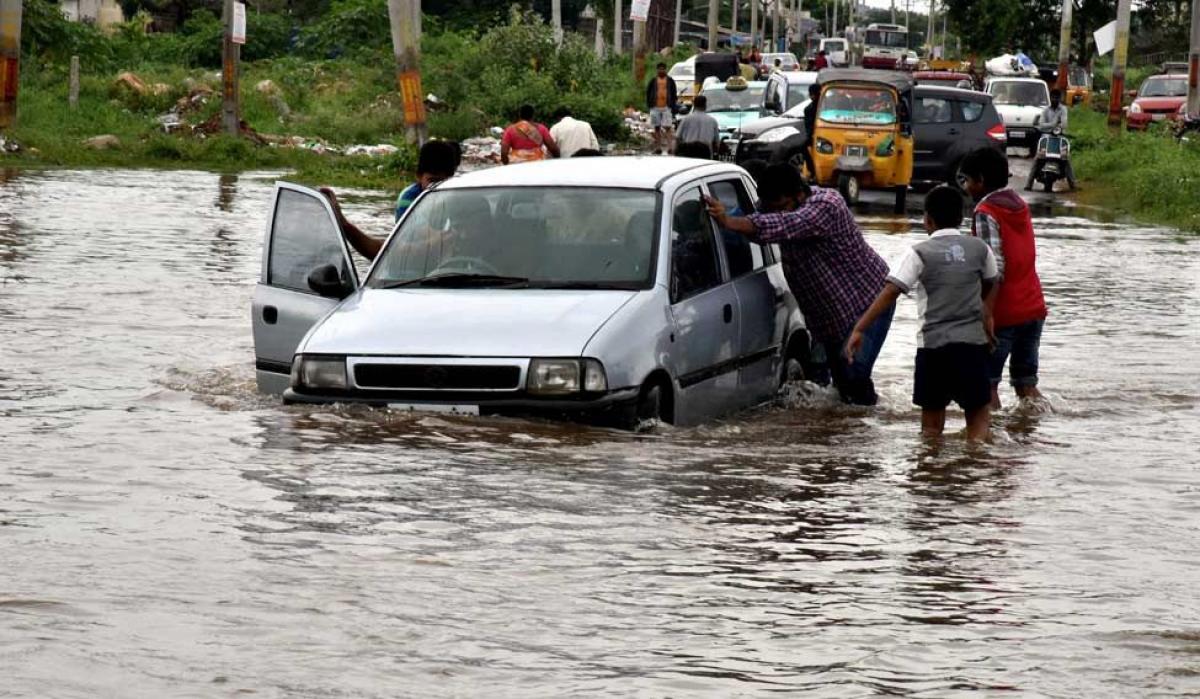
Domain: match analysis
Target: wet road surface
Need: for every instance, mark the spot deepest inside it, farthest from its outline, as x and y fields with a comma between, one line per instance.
x=167, y=532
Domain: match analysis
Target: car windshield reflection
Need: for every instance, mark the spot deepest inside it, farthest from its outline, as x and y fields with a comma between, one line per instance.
x=1021, y=94
x=523, y=237
x=857, y=106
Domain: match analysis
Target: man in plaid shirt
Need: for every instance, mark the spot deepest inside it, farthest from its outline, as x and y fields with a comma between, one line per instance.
x=831, y=270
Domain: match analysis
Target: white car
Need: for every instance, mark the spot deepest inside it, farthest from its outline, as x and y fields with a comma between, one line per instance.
x=684, y=75
x=1020, y=102
x=597, y=287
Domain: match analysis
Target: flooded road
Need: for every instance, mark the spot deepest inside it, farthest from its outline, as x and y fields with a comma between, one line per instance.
x=167, y=532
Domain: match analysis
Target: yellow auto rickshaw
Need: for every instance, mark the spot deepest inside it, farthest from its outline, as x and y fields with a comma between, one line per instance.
x=1079, y=86
x=863, y=136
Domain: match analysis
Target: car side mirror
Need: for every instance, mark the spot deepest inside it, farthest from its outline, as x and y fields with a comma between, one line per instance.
x=327, y=281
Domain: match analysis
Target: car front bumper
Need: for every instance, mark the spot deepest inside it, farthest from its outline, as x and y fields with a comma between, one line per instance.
x=487, y=403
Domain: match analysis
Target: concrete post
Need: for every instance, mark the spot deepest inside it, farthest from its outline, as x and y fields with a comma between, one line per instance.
x=1116, y=100
x=833, y=29
x=714, y=17
x=10, y=60
x=617, y=27
x=73, y=84
x=639, y=52
x=599, y=37
x=405, y=20
x=556, y=20
x=775, y=26
x=1193, y=108
x=929, y=32
x=753, y=23
x=679, y=20
x=734, y=22
x=1064, y=44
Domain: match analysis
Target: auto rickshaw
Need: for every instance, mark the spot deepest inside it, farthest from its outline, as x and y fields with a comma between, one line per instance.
x=723, y=66
x=1079, y=86
x=863, y=136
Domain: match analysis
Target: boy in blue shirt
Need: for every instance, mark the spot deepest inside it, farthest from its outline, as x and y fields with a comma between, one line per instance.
x=436, y=162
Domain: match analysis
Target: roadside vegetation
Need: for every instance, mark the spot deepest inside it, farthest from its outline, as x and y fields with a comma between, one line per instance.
x=1151, y=176
x=309, y=91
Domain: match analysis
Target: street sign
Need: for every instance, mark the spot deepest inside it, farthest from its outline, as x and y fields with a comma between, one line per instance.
x=238, y=31
x=1106, y=37
x=639, y=10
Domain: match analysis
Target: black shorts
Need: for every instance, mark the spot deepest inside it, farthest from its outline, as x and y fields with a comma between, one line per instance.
x=956, y=372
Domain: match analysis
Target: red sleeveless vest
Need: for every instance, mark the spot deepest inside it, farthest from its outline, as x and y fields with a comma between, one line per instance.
x=1020, y=299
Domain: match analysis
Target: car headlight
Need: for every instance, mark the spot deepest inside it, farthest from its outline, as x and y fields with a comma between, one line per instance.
x=319, y=371
x=776, y=135
x=556, y=377
x=824, y=146
x=1135, y=108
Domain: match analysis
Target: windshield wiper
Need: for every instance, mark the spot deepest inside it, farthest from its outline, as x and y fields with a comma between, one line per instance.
x=464, y=278
x=621, y=286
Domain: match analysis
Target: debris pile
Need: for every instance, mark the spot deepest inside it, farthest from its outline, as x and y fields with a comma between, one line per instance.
x=638, y=124
x=484, y=150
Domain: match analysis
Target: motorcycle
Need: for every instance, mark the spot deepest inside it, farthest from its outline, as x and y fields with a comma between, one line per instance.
x=1053, y=159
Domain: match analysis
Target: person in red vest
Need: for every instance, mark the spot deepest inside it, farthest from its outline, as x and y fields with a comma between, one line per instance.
x=1003, y=221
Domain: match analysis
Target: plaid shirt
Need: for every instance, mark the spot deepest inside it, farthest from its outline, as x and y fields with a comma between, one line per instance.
x=833, y=273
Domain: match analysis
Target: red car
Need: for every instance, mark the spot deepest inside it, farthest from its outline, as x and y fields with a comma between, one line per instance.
x=1159, y=98
x=944, y=78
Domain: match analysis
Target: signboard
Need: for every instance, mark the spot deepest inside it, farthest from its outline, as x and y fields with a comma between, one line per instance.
x=1106, y=37
x=639, y=10
x=238, y=32
x=414, y=98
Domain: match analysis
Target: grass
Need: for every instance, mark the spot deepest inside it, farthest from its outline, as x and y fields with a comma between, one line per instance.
x=341, y=103
x=1150, y=176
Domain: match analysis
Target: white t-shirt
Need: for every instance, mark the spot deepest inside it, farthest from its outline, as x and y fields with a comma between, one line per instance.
x=573, y=135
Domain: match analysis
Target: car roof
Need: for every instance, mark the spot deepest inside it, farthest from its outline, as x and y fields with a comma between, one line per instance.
x=1015, y=79
x=725, y=85
x=799, y=76
x=956, y=93
x=623, y=172
x=941, y=74
x=893, y=78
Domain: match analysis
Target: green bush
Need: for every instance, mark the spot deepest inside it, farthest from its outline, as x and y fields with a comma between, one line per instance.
x=350, y=26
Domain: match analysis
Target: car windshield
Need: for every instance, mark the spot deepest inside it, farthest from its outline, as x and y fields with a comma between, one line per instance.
x=893, y=40
x=797, y=112
x=539, y=237
x=723, y=100
x=1024, y=94
x=683, y=71
x=785, y=59
x=1164, y=87
x=857, y=105
x=1078, y=77
x=798, y=92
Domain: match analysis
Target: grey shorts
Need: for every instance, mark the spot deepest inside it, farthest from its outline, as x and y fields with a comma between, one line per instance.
x=660, y=118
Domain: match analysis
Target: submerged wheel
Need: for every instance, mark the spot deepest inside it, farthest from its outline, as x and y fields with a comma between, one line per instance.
x=901, y=198
x=849, y=188
x=653, y=406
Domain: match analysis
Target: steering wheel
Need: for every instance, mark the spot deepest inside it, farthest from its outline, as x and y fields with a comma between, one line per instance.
x=465, y=265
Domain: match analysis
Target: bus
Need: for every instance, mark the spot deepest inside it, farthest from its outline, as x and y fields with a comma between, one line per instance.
x=885, y=46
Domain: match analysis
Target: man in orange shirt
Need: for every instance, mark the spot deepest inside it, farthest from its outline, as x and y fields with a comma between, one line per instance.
x=662, y=99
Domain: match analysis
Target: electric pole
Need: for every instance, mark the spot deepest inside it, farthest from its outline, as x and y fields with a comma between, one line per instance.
x=616, y=27
x=405, y=19
x=678, y=20
x=833, y=29
x=733, y=23
x=893, y=11
x=775, y=26
x=230, y=53
x=10, y=56
x=639, y=51
x=1064, y=44
x=929, y=31
x=556, y=20
x=753, y=24
x=1120, y=55
x=714, y=17
x=1193, y=103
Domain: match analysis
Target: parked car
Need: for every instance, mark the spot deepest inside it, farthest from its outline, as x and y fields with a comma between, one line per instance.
x=598, y=289
x=1020, y=102
x=733, y=103
x=944, y=78
x=1157, y=99
x=785, y=90
x=1175, y=68
x=948, y=123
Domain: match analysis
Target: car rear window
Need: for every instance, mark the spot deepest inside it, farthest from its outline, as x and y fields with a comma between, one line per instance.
x=971, y=111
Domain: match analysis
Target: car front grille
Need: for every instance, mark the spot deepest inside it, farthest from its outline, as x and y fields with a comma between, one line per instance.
x=438, y=377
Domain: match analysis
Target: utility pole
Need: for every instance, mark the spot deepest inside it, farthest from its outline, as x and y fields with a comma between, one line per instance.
x=907, y=26
x=639, y=51
x=1120, y=56
x=945, y=33
x=733, y=22
x=893, y=11
x=405, y=19
x=714, y=16
x=678, y=20
x=1064, y=44
x=775, y=26
x=599, y=40
x=10, y=60
x=929, y=31
x=230, y=53
x=833, y=28
x=753, y=24
x=556, y=20
x=617, y=27
x=1193, y=103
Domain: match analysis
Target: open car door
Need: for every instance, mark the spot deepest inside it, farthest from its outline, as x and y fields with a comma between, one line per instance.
x=306, y=272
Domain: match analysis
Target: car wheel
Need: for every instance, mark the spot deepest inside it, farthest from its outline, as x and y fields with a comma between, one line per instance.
x=848, y=186
x=956, y=178
x=650, y=410
x=901, y=199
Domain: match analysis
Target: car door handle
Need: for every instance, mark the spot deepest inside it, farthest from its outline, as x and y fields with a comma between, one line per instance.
x=728, y=313
x=270, y=315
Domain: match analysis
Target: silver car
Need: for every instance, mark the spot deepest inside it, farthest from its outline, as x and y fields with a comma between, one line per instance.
x=596, y=287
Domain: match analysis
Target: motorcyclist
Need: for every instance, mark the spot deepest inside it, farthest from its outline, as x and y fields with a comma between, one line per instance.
x=1052, y=117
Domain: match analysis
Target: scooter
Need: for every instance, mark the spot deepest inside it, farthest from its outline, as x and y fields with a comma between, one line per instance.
x=1053, y=159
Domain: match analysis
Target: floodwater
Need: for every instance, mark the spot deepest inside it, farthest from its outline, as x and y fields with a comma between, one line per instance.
x=166, y=532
